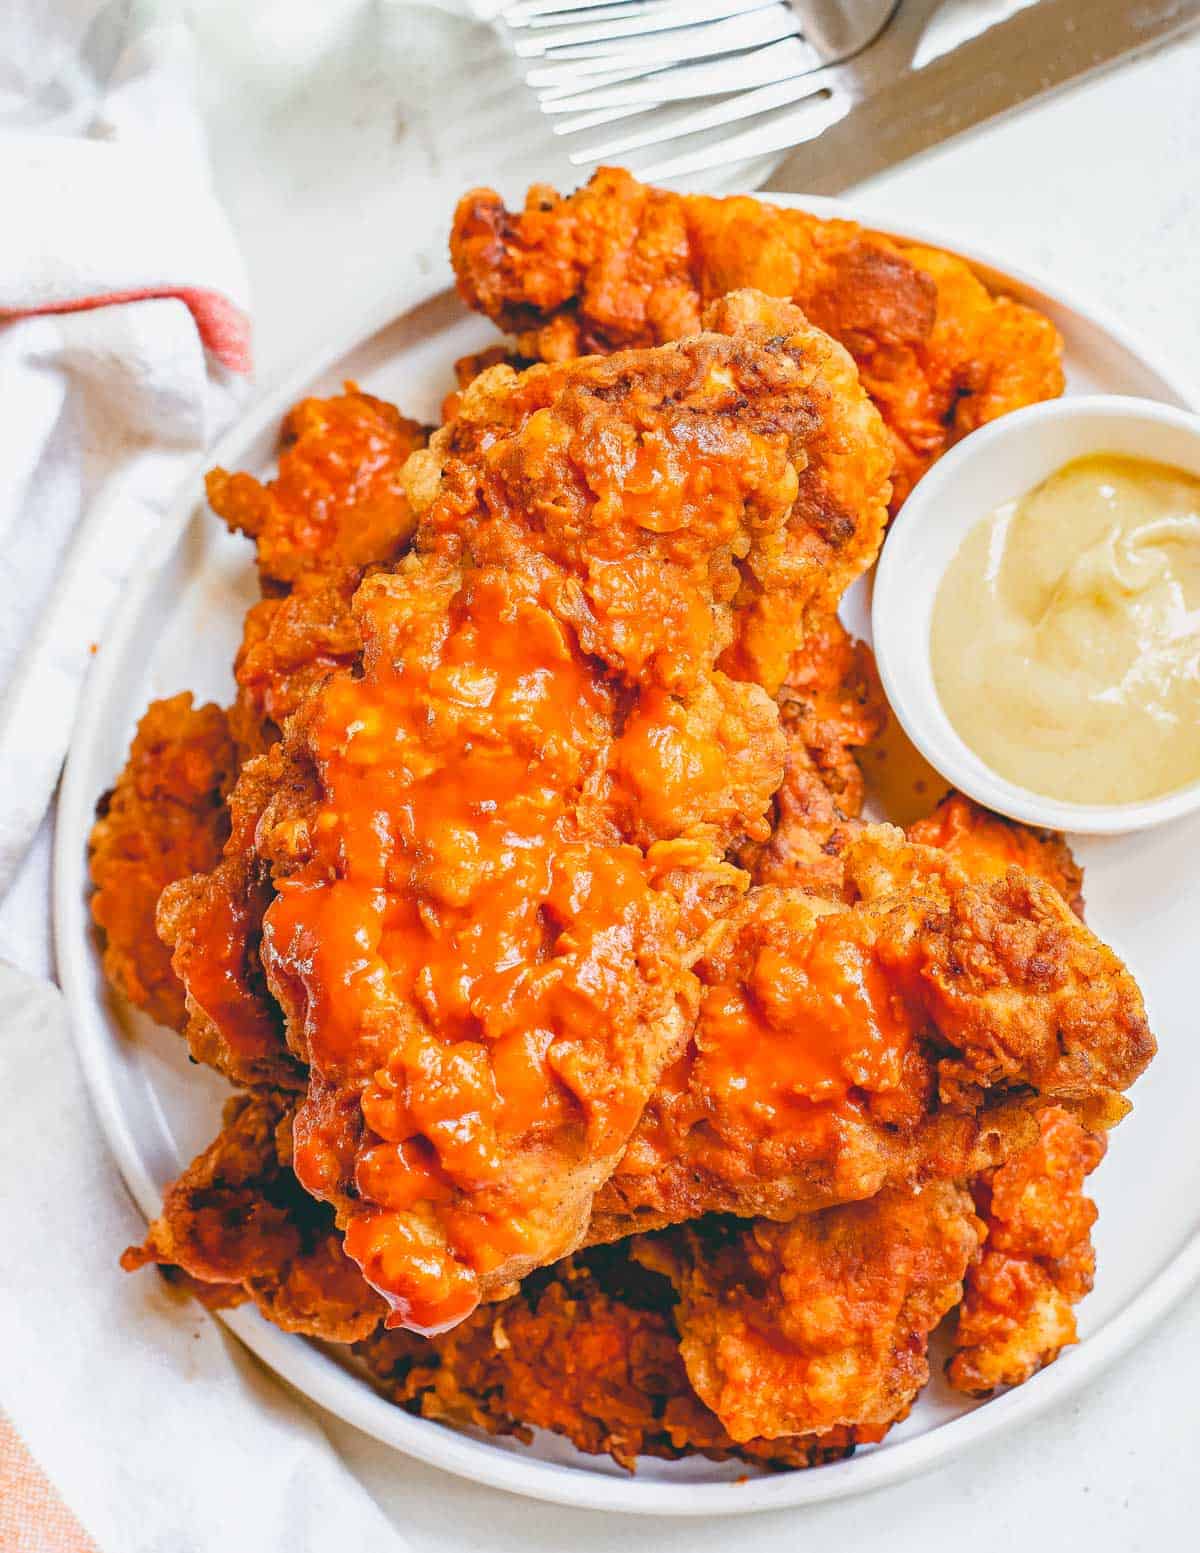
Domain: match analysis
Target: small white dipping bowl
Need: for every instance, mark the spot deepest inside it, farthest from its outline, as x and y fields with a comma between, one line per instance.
x=999, y=463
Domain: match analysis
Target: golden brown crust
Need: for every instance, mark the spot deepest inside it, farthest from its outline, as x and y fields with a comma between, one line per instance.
x=1037, y=1259
x=238, y=1226
x=212, y=923
x=987, y=845
x=618, y=264
x=1003, y=995
x=821, y=1323
x=610, y=526
x=335, y=508
x=831, y=704
x=337, y=502
x=164, y=819
x=589, y=1350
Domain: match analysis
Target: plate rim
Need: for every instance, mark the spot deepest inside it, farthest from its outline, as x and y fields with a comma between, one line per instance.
x=301, y=1363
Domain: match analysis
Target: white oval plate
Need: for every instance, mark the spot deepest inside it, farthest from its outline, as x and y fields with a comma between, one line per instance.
x=178, y=628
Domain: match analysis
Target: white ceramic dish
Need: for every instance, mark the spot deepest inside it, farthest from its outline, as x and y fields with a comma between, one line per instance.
x=998, y=464
x=178, y=628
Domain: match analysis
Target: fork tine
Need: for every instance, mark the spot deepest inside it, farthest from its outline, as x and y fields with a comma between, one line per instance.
x=530, y=12
x=715, y=78
x=586, y=121
x=745, y=105
x=806, y=122
x=699, y=42
x=549, y=97
x=554, y=79
x=663, y=17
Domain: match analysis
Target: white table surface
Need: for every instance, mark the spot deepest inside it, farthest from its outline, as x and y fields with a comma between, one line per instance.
x=339, y=153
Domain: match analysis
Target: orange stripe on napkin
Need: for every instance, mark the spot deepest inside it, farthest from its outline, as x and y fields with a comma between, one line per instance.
x=33, y=1519
x=223, y=328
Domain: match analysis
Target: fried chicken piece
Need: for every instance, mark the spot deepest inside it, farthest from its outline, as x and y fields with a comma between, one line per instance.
x=164, y=819
x=335, y=507
x=212, y=923
x=1037, y=1259
x=589, y=1350
x=338, y=501
x=335, y=510
x=831, y=704
x=901, y=1038
x=987, y=846
x=618, y=264
x=239, y=1227
x=290, y=644
x=822, y=1323
x=513, y=824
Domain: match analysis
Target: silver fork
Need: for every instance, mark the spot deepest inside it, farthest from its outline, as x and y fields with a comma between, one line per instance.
x=600, y=61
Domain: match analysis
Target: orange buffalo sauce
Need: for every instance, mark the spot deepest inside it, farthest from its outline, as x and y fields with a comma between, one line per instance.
x=456, y=841
x=518, y=819
x=804, y=1020
x=816, y=1017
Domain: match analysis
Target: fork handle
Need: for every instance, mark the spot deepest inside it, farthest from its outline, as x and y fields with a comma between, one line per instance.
x=1010, y=64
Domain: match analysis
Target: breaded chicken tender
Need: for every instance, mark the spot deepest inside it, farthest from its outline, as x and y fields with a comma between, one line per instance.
x=520, y=810
x=589, y=1350
x=337, y=502
x=238, y=1225
x=163, y=820
x=1037, y=1260
x=987, y=845
x=898, y=1038
x=619, y=264
x=821, y=1323
x=334, y=509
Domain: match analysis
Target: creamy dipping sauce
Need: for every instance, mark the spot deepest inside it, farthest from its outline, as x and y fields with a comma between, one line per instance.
x=1066, y=633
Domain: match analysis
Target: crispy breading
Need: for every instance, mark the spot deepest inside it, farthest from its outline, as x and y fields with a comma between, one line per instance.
x=821, y=1323
x=588, y=1349
x=590, y=538
x=290, y=644
x=233, y=1023
x=163, y=819
x=840, y=1047
x=987, y=846
x=238, y=1225
x=830, y=704
x=1037, y=1262
x=619, y=264
x=337, y=502
x=335, y=508
x=1017, y=989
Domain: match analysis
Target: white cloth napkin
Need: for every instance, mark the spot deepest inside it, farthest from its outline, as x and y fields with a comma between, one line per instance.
x=124, y=348
x=154, y=1424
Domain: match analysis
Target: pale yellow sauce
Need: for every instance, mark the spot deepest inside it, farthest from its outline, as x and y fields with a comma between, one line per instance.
x=1066, y=633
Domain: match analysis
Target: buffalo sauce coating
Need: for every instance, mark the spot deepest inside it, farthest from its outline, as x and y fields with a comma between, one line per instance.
x=455, y=828
x=806, y=1015
x=487, y=971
